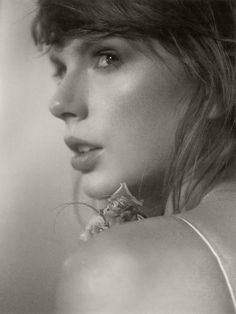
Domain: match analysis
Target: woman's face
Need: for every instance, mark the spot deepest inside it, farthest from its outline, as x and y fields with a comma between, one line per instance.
x=121, y=105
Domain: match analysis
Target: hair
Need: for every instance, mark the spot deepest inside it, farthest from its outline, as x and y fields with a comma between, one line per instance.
x=201, y=34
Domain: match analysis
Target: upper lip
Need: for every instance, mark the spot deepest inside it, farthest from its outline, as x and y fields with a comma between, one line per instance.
x=76, y=144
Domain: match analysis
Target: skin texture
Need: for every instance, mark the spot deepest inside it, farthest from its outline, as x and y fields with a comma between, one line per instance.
x=117, y=94
x=159, y=265
x=131, y=105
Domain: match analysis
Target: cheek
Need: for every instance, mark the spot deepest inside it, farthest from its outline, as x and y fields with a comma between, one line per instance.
x=135, y=116
x=138, y=111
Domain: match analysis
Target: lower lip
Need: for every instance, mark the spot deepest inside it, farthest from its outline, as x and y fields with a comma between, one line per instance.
x=86, y=162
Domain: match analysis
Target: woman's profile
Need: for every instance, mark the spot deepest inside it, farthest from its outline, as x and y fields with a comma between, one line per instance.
x=147, y=93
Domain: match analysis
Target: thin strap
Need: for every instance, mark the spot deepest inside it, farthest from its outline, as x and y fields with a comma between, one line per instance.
x=225, y=275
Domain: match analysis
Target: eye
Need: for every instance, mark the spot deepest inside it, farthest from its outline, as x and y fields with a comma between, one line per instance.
x=58, y=68
x=107, y=59
x=58, y=72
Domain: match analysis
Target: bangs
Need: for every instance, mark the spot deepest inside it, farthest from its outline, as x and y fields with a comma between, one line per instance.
x=59, y=20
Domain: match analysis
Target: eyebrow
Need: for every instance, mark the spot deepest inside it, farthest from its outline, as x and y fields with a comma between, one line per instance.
x=87, y=43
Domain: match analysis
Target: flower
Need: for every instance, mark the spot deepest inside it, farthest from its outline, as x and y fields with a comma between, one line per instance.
x=95, y=225
x=122, y=207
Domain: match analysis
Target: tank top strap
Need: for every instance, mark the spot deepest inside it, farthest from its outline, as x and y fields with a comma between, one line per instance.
x=214, y=252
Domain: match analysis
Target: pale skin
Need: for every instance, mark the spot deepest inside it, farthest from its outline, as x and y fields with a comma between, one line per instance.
x=117, y=94
x=158, y=265
x=130, y=102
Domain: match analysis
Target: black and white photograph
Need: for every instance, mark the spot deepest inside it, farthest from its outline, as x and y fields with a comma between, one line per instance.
x=118, y=156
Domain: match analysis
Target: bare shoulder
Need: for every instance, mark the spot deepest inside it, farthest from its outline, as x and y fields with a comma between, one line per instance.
x=158, y=265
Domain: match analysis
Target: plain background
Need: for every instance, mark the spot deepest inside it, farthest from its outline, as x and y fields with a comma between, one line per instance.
x=35, y=173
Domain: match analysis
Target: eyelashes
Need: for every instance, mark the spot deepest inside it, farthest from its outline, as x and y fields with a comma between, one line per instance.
x=59, y=70
x=107, y=59
x=102, y=59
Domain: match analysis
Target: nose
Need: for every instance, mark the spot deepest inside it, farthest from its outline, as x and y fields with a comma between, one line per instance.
x=69, y=101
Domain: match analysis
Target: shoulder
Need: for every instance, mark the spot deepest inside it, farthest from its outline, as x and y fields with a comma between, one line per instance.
x=155, y=265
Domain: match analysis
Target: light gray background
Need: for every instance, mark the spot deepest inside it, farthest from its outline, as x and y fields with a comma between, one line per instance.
x=35, y=174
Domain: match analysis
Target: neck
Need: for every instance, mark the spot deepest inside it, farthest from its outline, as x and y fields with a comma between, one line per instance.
x=226, y=178
x=153, y=197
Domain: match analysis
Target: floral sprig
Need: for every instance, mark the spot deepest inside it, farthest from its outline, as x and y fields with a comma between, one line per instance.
x=122, y=207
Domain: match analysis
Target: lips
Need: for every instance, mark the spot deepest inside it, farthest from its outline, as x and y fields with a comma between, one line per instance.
x=86, y=154
x=86, y=162
x=83, y=149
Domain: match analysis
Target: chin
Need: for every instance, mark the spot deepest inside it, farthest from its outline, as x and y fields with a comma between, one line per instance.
x=98, y=186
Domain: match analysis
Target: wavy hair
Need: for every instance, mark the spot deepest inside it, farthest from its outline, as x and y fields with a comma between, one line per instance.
x=201, y=34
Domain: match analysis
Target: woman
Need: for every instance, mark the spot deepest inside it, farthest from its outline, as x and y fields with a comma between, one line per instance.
x=147, y=91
